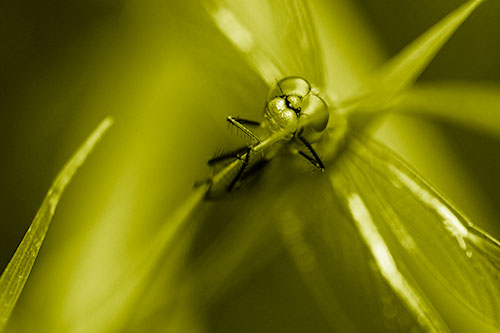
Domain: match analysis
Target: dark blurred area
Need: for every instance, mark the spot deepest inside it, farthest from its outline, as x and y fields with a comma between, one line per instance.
x=471, y=54
x=38, y=104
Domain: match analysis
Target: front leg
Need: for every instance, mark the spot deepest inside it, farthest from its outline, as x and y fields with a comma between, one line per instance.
x=314, y=160
x=245, y=159
x=220, y=157
x=241, y=125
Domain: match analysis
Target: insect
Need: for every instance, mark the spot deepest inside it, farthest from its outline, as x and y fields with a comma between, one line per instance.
x=293, y=112
x=399, y=219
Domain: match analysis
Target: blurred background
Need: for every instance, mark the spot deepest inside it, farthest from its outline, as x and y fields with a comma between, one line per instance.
x=169, y=78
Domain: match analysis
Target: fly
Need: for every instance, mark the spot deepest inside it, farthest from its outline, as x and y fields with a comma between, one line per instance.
x=293, y=113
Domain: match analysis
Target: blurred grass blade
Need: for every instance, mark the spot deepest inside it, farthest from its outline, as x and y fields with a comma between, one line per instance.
x=257, y=29
x=475, y=105
x=18, y=269
x=403, y=69
x=117, y=305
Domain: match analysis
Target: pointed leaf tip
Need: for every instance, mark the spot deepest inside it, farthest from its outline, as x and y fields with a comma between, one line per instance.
x=402, y=70
x=19, y=267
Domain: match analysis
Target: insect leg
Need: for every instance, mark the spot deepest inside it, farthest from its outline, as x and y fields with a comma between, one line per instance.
x=241, y=125
x=315, y=160
x=244, y=160
x=245, y=121
x=237, y=153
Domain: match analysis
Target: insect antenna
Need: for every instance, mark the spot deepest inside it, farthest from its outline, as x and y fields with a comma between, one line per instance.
x=278, y=85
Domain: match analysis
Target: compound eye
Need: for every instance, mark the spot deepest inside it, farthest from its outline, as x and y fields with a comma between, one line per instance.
x=315, y=107
x=286, y=118
x=292, y=85
x=279, y=116
x=276, y=105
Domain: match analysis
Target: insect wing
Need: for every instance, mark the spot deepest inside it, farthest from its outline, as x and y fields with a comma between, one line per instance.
x=409, y=227
x=277, y=38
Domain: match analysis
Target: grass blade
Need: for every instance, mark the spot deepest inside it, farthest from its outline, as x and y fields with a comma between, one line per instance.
x=474, y=105
x=19, y=267
x=403, y=69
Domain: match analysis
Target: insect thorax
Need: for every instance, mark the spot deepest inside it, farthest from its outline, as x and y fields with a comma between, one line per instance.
x=289, y=101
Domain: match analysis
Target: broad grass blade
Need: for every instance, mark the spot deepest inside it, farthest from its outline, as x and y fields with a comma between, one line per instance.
x=19, y=267
x=408, y=224
x=327, y=249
